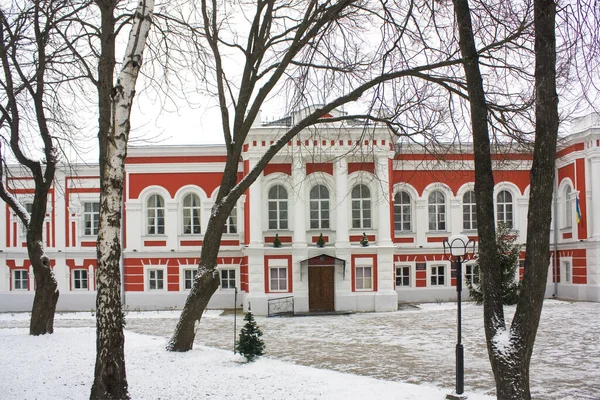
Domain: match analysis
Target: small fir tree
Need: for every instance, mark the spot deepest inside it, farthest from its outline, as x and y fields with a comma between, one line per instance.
x=250, y=345
x=276, y=241
x=364, y=241
x=321, y=241
x=508, y=262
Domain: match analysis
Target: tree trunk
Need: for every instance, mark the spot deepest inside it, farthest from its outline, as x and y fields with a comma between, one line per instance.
x=514, y=370
x=46, y=287
x=205, y=284
x=510, y=361
x=46, y=290
x=110, y=380
x=491, y=282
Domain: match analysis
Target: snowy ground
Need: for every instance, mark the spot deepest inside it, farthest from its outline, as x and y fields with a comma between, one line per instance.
x=414, y=345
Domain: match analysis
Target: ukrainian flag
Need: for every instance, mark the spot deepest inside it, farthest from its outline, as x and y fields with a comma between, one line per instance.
x=577, y=210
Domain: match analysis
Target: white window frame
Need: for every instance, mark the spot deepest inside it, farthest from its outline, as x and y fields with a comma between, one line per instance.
x=229, y=271
x=194, y=213
x=469, y=276
x=75, y=279
x=28, y=206
x=436, y=211
x=469, y=211
x=437, y=275
x=279, y=279
x=364, y=278
x=320, y=206
x=20, y=279
x=363, y=205
x=93, y=217
x=403, y=267
x=150, y=279
x=192, y=272
x=402, y=212
x=505, y=208
x=566, y=270
x=156, y=225
x=568, y=207
x=282, y=213
x=231, y=223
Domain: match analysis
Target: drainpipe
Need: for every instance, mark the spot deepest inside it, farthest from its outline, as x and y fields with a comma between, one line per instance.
x=555, y=223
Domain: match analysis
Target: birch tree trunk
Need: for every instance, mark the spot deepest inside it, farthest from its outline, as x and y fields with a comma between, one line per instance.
x=110, y=381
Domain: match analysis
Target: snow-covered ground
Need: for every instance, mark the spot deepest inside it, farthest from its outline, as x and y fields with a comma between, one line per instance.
x=410, y=352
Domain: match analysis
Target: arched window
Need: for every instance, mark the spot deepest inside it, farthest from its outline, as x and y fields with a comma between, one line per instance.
x=155, y=215
x=191, y=214
x=278, y=208
x=402, y=212
x=231, y=222
x=437, y=211
x=319, y=207
x=469, y=211
x=361, y=207
x=568, y=208
x=504, y=208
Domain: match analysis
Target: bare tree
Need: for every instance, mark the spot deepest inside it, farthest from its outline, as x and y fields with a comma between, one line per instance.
x=33, y=118
x=320, y=55
x=510, y=348
x=110, y=380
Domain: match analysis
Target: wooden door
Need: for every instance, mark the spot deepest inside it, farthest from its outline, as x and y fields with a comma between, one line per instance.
x=321, y=288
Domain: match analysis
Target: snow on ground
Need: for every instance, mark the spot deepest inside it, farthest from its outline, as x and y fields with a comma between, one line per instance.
x=60, y=366
x=412, y=346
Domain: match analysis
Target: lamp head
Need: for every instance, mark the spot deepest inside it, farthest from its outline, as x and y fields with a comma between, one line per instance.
x=459, y=246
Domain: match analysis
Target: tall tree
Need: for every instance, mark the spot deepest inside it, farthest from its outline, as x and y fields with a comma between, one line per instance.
x=115, y=103
x=510, y=348
x=34, y=117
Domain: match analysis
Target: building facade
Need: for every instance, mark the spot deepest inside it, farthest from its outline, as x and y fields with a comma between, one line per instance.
x=344, y=183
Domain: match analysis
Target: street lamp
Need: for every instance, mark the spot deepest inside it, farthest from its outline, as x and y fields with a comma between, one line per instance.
x=459, y=248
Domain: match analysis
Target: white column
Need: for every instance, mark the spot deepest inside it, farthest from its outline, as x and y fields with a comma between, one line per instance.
x=593, y=203
x=384, y=236
x=421, y=221
x=5, y=277
x=455, y=216
x=31, y=280
x=256, y=219
x=341, y=188
x=172, y=224
x=298, y=203
x=92, y=278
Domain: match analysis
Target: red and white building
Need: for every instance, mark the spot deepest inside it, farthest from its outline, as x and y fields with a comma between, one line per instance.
x=405, y=200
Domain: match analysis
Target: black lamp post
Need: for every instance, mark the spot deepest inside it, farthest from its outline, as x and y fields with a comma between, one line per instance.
x=459, y=248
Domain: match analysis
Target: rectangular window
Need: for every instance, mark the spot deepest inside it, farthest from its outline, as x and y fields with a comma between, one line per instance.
x=188, y=278
x=91, y=218
x=364, y=278
x=80, y=279
x=228, y=279
x=472, y=273
x=278, y=279
x=568, y=271
x=29, y=209
x=438, y=275
x=155, y=279
x=403, y=275
x=20, y=279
